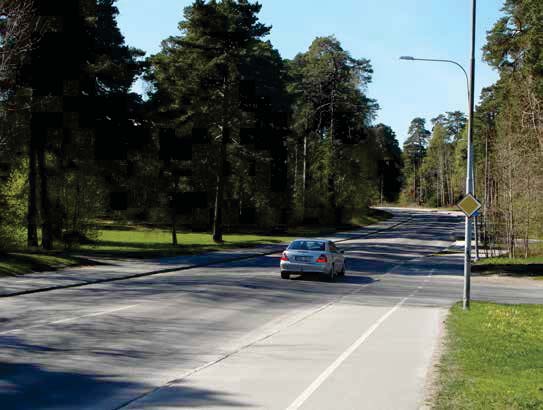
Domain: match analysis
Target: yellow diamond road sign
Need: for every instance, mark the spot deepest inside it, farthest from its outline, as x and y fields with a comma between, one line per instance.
x=469, y=205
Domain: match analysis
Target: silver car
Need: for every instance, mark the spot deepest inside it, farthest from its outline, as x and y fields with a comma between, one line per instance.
x=313, y=256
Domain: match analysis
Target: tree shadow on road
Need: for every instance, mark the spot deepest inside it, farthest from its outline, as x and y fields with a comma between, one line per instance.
x=26, y=383
x=347, y=279
x=178, y=395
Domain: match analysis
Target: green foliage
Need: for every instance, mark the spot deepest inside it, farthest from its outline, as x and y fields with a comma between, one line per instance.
x=333, y=172
x=13, y=206
x=417, y=140
x=453, y=122
x=516, y=40
x=74, y=158
x=221, y=80
x=414, y=151
x=433, y=166
x=435, y=169
x=509, y=127
x=389, y=163
x=257, y=140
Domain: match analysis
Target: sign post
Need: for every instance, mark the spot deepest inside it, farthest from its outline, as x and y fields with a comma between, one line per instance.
x=470, y=206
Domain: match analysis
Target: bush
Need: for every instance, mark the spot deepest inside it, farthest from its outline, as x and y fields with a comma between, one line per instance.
x=13, y=203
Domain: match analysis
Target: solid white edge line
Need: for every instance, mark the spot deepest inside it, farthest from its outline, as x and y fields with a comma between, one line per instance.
x=324, y=375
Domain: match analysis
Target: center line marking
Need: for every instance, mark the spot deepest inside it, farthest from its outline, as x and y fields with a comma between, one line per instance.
x=344, y=356
x=71, y=319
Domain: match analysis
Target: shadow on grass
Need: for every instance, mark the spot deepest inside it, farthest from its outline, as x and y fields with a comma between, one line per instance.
x=535, y=269
x=20, y=263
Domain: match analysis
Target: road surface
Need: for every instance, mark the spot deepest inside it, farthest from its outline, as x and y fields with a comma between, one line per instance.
x=236, y=336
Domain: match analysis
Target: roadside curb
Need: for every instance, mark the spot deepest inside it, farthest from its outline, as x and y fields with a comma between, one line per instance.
x=84, y=283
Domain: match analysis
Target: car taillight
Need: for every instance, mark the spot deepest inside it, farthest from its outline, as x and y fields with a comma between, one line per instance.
x=322, y=259
x=284, y=256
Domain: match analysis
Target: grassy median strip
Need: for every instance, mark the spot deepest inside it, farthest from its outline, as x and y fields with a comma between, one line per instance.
x=493, y=358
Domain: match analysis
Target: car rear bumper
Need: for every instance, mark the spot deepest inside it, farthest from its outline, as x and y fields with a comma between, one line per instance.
x=293, y=267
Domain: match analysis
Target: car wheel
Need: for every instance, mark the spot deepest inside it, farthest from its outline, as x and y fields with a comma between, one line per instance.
x=332, y=274
x=285, y=275
x=342, y=273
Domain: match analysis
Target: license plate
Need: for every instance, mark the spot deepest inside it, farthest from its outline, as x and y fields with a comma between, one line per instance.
x=304, y=258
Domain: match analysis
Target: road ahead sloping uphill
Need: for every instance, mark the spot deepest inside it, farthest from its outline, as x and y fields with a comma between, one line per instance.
x=237, y=336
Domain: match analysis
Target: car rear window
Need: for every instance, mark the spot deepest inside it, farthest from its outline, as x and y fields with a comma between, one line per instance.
x=307, y=246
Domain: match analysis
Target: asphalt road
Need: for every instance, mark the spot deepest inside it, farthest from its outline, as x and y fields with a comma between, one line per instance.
x=237, y=336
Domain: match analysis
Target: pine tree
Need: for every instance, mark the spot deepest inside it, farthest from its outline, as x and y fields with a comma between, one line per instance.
x=198, y=77
x=80, y=74
x=331, y=110
x=390, y=163
x=414, y=152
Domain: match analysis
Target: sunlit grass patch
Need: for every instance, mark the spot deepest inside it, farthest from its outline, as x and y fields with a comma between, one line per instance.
x=493, y=358
x=157, y=242
x=511, y=261
x=141, y=241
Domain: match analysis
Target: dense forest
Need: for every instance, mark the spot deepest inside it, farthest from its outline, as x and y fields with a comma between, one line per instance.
x=229, y=133
x=508, y=140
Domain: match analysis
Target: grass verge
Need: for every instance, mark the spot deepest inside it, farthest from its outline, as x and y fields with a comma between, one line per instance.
x=493, y=358
x=17, y=263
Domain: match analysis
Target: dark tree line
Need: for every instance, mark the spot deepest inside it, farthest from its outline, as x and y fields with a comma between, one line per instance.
x=231, y=134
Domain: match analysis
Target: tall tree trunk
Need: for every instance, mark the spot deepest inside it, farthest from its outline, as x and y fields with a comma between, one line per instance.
x=174, y=213
x=332, y=174
x=438, y=190
x=382, y=188
x=295, y=184
x=221, y=169
x=219, y=190
x=486, y=198
x=174, y=227
x=32, y=226
x=47, y=225
x=304, y=175
x=415, y=188
x=419, y=173
x=527, y=217
x=511, y=244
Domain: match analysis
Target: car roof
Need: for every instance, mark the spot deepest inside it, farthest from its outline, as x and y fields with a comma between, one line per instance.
x=311, y=239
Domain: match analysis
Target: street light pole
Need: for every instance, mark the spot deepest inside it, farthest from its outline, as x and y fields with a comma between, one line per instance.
x=469, y=172
x=437, y=60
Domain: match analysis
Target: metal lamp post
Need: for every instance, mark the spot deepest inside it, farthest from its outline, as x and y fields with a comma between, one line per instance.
x=469, y=172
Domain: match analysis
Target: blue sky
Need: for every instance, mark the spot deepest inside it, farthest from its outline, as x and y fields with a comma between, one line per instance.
x=380, y=30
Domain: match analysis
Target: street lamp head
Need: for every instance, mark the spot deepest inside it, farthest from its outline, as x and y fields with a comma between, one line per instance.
x=407, y=58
